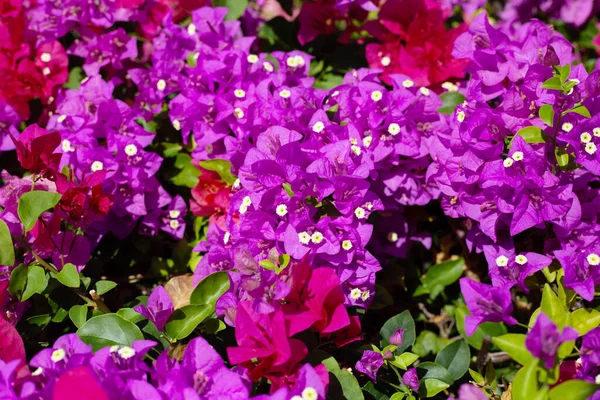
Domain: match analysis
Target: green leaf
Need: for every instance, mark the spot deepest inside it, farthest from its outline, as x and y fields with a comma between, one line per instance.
x=441, y=275
x=525, y=384
x=104, y=287
x=33, y=204
x=428, y=342
x=184, y=320
x=403, y=320
x=398, y=396
x=267, y=264
x=585, y=319
x=514, y=345
x=347, y=381
x=188, y=174
x=7, y=250
x=76, y=75
x=284, y=261
x=69, y=276
x=18, y=280
x=36, y=282
x=108, y=330
x=78, y=315
x=210, y=288
x=431, y=386
x=552, y=307
x=581, y=110
x=562, y=157
x=376, y=394
x=547, y=114
x=221, y=167
x=288, y=189
x=235, y=8
x=171, y=149
x=491, y=329
x=130, y=315
x=573, y=390
x=451, y=100
x=456, y=357
x=531, y=134
x=553, y=83
x=404, y=360
x=436, y=371
x=564, y=72
x=477, y=377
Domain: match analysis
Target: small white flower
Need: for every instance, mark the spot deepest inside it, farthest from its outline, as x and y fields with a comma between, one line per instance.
x=353, y=140
x=407, y=83
x=252, y=58
x=577, y=81
x=226, y=237
x=316, y=237
x=131, y=149
x=318, y=127
x=376, y=95
x=502, y=261
x=517, y=156
x=45, y=57
x=392, y=237
x=174, y=224
x=590, y=148
x=46, y=71
x=285, y=93
x=360, y=212
x=174, y=213
x=268, y=66
x=281, y=210
x=126, y=352
x=508, y=162
x=161, y=84
x=355, y=293
x=585, y=137
x=296, y=397
x=97, y=166
x=424, y=91
x=58, y=355
x=567, y=127
x=347, y=245
x=191, y=29
x=356, y=150
x=460, y=116
x=521, y=259
x=114, y=348
x=243, y=209
x=237, y=183
x=593, y=259
x=598, y=379
x=367, y=140
x=365, y=295
x=239, y=113
x=394, y=129
x=309, y=394
x=239, y=93
x=247, y=201
x=369, y=205
x=176, y=125
x=66, y=146
x=596, y=132
x=61, y=118
x=385, y=61
x=304, y=237
x=449, y=86
x=38, y=371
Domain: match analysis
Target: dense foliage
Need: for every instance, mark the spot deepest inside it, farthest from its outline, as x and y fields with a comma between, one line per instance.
x=299, y=200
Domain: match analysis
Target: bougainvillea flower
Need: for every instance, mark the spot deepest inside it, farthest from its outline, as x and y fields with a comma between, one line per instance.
x=84, y=202
x=486, y=303
x=211, y=198
x=370, y=363
x=80, y=383
x=35, y=149
x=159, y=307
x=411, y=379
x=544, y=339
x=12, y=347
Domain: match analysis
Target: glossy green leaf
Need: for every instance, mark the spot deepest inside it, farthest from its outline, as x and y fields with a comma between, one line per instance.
x=431, y=386
x=376, y=394
x=130, y=315
x=235, y=8
x=210, y=288
x=585, y=319
x=552, y=307
x=7, y=250
x=553, y=83
x=188, y=173
x=531, y=134
x=104, y=286
x=184, y=320
x=108, y=330
x=451, y=100
x=441, y=275
x=581, y=110
x=428, y=342
x=456, y=357
x=562, y=157
x=547, y=114
x=78, y=315
x=69, y=276
x=436, y=371
x=36, y=282
x=564, y=72
x=221, y=167
x=477, y=377
x=398, y=396
x=76, y=75
x=349, y=385
x=514, y=345
x=403, y=320
x=33, y=204
x=573, y=390
x=18, y=280
x=525, y=384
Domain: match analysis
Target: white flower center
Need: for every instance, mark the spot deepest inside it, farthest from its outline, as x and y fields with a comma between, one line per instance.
x=38, y=371
x=292, y=62
x=502, y=261
x=317, y=237
x=460, y=116
x=590, y=148
x=318, y=127
x=593, y=259
x=385, y=61
x=449, y=86
x=191, y=29
x=176, y=124
x=309, y=394
x=392, y=237
x=367, y=140
x=585, y=137
x=355, y=294
x=268, y=66
x=126, y=352
x=508, y=162
x=394, y=129
x=376, y=95
x=365, y=295
x=517, y=156
x=521, y=259
x=174, y=213
x=252, y=58
x=161, y=84
x=58, y=355
x=97, y=166
x=567, y=127
x=46, y=71
x=360, y=212
x=285, y=93
x=596, y=132
x=174, y=224
x=347, y=245
x=304, y=237
x=407, y=83
x=239, y=113
x=45, y=57
x=424, y=91
x=61, y=118
x=356, y=150
x=281, y=210
x=226, y=237
x=239, y=93
x=131, y=150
